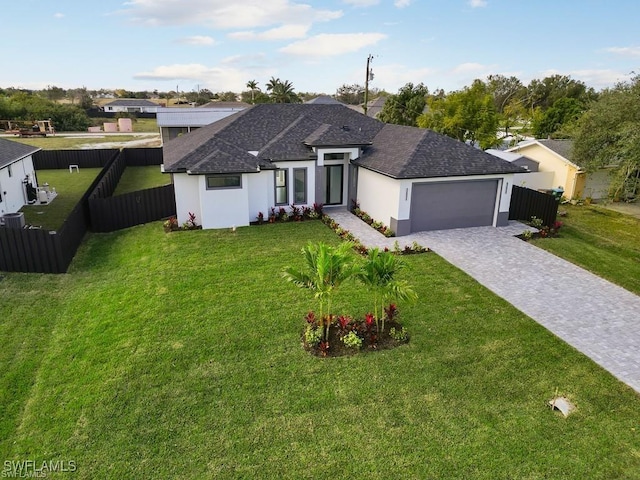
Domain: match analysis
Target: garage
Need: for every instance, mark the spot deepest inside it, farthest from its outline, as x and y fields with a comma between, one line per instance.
x=445, y=205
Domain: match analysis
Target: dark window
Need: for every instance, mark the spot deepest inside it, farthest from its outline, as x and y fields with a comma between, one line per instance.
x=299, y=185
x=334, y=156
x=223, y=181
x=282, y=194
x=9, y=171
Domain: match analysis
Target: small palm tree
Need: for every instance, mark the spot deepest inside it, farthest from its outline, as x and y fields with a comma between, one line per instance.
x=378, y=272
x=253, y=86
x=326, y=268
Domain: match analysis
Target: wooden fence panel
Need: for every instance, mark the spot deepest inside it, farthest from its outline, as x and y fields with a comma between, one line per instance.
x=135, y=208
x=142, y=157
x=61, y=159
x=31, y=251
x=527, y=203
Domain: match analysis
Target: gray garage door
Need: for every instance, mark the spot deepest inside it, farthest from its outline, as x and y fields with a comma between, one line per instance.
x=439, y=206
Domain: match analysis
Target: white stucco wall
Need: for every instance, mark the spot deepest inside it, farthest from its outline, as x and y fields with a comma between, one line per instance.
x=597, y=184
x=187, y=197
x=225, y=207
x=260, y=191
x=535, y=180
x=378, y=195
x=11, y=187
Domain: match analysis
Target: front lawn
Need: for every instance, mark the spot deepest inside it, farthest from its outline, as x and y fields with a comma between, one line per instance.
x=61, y=142
x=141, y=178
x=70, y=188
x=178, y=356
x=602, y=241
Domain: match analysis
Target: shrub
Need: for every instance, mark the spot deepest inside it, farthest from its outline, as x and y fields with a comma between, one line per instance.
x=352, y=340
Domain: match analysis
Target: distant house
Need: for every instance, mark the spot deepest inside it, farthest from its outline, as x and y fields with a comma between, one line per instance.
x=131, y=105
x=554, y=156
x=174, y=122
x=374, y=107
x=17, y=176
x=275, y=155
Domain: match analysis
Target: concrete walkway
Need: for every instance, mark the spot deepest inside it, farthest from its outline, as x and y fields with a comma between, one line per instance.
x=593, y=315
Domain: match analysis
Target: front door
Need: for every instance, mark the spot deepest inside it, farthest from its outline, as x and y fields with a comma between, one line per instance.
x=333, y=180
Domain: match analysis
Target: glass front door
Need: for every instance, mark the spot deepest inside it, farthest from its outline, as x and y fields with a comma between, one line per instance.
x=333, y=177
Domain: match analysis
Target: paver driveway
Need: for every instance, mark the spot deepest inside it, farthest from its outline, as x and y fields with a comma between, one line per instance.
x=595, y=316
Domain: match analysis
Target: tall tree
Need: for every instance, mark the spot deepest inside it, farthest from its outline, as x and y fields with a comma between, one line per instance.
x=468, y=115
x=252, y=85
x=608, y=134
x=557, y=120
x=406, y=106
x=350, y=94
x=544, y=93
x=505, y=91
x=282, y=91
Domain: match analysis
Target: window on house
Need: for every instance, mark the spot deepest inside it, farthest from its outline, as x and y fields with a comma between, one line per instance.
x=9, y=171
x=282, y=197
x=224, y=181
x=300, y=185
x=334, y=156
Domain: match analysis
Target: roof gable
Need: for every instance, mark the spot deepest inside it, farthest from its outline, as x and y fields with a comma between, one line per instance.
x=11, y=152
x=560, y=148
x=409, y=152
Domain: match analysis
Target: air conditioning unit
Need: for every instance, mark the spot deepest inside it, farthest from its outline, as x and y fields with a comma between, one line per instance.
x=13, y=220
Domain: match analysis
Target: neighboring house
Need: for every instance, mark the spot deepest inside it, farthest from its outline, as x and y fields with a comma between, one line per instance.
x=374, y=107
x=17, y=176
x=555, y=156
x=174, y=122
x=533, y=179
x=131, y=105
x=275, y=155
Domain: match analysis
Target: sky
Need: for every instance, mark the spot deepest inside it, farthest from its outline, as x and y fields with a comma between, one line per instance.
x=317, y=45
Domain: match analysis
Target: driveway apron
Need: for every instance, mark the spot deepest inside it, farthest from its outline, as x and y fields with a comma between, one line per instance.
x=600, y=319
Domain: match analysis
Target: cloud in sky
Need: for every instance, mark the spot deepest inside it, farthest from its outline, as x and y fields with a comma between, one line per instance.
x=477, y=3
x=362, y=3
x=402, y=3
x=329, y=45
x=199, y=40
x=225, y=14
x=58, y=15
x=624, y=51
x=284, y=32
x=220, y=78
x=591, y=77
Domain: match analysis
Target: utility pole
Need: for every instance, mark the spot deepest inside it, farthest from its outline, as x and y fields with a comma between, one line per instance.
x=366, y=83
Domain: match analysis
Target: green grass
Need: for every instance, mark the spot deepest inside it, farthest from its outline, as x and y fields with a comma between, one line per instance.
x=602, y=241
x=70, y=188
x=71, y=143
x=140, y=178
x=178, y=355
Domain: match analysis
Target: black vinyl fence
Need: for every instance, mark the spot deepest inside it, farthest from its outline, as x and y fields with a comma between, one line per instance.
x=527, y=203
x=43, y=251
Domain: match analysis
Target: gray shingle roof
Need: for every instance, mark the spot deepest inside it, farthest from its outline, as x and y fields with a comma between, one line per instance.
x=131, y=102
x=561, y=147
x=11, y=151
x=408, y=152
x=288, y=131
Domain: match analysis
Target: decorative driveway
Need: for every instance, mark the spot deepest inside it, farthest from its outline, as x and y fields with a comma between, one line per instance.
x=593, y=315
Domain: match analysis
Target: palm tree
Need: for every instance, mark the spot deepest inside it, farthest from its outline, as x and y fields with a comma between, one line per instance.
x=326, y=268
x=282, y=91
x=272, y=83
x=378, y=273
x=253, y=86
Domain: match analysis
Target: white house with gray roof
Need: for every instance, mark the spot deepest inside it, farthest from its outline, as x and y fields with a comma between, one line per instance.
x=16, y=175
x=274, y=155
x=131, y=105
x=174, y=122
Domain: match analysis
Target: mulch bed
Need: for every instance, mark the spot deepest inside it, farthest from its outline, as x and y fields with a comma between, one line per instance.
x=371, y=342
